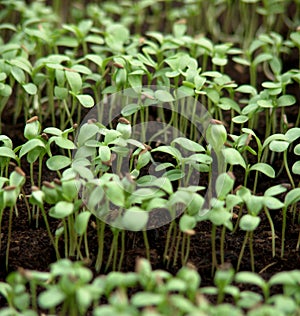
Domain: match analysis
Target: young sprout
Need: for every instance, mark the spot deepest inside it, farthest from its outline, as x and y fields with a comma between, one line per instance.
x=37, y=199
x=291, y=198
x=35, y=147
x=10, y=196
x=216, y=136
x=6, y=154
x=249, y=222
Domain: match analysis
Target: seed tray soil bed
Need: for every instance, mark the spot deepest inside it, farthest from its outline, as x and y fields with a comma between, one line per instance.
x=30, y=247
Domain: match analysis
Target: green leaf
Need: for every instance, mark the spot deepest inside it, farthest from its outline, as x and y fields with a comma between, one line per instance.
x=30, y=88
x=86, y=132
x=240, y=119
x=187, y=222
x=200, y=158
x=58, y=162
x=63, y=142
x=18, y=74
x=232, y=200
x=246, y=89
x=67, y=41
x=297, y=150
x=104, y=153
x=142, y=299
x=241, y=61
x=296, y=167
x=163, y=96
x=277, y=137
x=292, y=197
x=271, y=85
x=216, y=136
x=276, y=66
x=95, y=59
x=219, y=216
x=249, y=222
x=233, y=157
x=262, y=58
x=53, y=131
x=162, y=183
x=295, y=36
x=286, y=100
x=85, y=100
x=213, y=95
x=292, y=134
x=213, y=74
x=143, y=160
x=30, y=145
x=195, y=204
x=115, y=193
x=81, y=222
x=265, y=103
x=32, y=129
x=94, y=198
x=135, y=219
x=38, y=197
x=278, y=146
x=272, y=203
x=130, y=109
x=74, y=80
x=51, y=297
x=61, y=93
x=264, y=168
x=224, y=184
x=250, y=278
x=61, y=209
x=169, y=150
x=7, y=152
x=230, y=104
x=188, y=144
x=219, y=61
x=275, y=190
x=174, y=175
x=285, y=278
x=5, y=90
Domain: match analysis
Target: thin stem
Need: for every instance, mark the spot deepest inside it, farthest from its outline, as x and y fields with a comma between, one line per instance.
x=49, y=231
x=147, y=247
x=100, y=233
x=242, y=251
x=165, y=257
x=112, y=250
x=177, y=248
x=287, y=168
x=33, y=295
x=284, y=211
x=8, y=236
x=116, y=245
x=251, y=250
x=122, y=250
x=86, y=245
x=213, y=249
x=222, y=243
x=72, y=236
x=172, y=245
x=182, y=248
x=188, y=247
x=31, y=174
x=65, y=238
x=272, y=230
x=298, y=243
x=40, y=170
